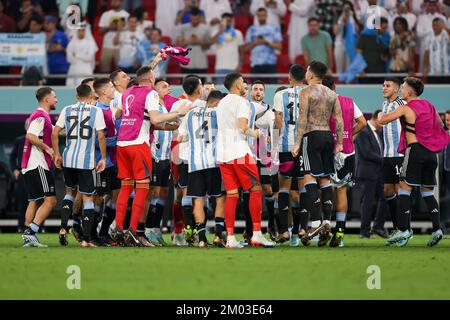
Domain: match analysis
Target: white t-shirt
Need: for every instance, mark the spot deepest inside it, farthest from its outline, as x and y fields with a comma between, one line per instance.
x=227, y=54
x=231, y=143
x=127, y=42
x=37, y=157
x=105, y=21
x=151, y=104
x=183, y=150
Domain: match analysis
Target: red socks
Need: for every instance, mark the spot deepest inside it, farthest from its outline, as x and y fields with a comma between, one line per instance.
x=122, y=201
x=255, y=205
x=230, y=212
x=138, y=206
x=178, y=221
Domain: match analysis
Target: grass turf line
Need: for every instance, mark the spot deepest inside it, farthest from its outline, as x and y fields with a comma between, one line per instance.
x=412, y=272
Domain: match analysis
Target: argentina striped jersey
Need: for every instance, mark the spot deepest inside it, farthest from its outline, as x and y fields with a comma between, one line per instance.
x=287, y=102
x=161, y=141
x=392, y=130
x=200, y=127
x=82, y=121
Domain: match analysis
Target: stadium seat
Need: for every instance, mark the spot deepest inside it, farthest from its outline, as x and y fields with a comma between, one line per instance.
x=211, y=63
x=300, y=60
x=166, y=39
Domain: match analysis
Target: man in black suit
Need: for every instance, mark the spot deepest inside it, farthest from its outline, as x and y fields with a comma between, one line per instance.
x=15, y=160
x=445, y=212
x=369, y=164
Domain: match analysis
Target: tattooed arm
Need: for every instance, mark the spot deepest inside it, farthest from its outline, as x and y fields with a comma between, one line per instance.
x=302, y=120
x=337, y=114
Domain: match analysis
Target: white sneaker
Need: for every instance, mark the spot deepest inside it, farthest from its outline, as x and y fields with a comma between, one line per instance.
x=232, y=243
x=31, y=240
x=258, y=240
x=179, y=240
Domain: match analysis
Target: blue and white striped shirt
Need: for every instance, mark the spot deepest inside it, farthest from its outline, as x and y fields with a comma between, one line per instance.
x=82, y=121
x=287, y=102
x=161, y=141
x=200, y=127
x=392, y=130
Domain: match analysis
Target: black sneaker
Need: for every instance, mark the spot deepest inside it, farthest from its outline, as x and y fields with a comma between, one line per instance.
x=325, y=235
x=118, y=236
x=273, y=234
x=63, y=237
x=131, y=239
x=304, y=239
x=106, y=241
x=77, y=232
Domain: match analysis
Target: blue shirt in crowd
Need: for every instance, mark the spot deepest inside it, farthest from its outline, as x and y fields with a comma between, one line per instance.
x=57, y=61
x=263, y=54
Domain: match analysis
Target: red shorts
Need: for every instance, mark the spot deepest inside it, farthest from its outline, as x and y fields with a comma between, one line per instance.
x=240, y=173
x=134, y=162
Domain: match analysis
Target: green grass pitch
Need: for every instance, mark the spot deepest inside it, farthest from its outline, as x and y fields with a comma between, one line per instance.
x=412, y=272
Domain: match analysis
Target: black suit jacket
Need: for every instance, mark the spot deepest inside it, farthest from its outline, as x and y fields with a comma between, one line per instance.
x=369, y=157
x=15, y=158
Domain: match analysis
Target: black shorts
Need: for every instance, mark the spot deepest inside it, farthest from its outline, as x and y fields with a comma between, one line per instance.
x=317, y=152
x=419, y=166
x=40, y=184
x=205, y=182
x=294, y=185
x=107, y=181
x=289, y=166
x=161, y=173
x=266, y=178
x=392, y=167
x=85, y=180
x=183, y=172
x=348, y=168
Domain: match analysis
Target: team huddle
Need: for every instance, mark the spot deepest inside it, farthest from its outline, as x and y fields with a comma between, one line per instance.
x=127, y=140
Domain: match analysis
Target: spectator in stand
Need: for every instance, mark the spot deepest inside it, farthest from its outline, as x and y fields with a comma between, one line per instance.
x=264, y=40
x=301, y=11
x=230, y=50
x=36, y=25
x=328, y=12
x=57, y=42
x=197, y=36
x=367, y=10
x=373, y=44
x=317, y=44
x=436, y=57
x=132, y=4
x=402, y=48
x=184, y=15
x=143, y=22
x=346, y=31
x=7, y=24
x=15, y=163
x=81, y=56
x=214, y=9
x=404, y=11
x=109, y=24
x=446, y=7
x=127, y=40
x=27, y=11
x=425, y=27
x=166, y=13
x=276, y=10
x=148, y=48
x=64, y=4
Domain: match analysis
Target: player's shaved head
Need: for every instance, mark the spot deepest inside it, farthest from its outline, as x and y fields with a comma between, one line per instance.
x=319, y=69
x=394, y=80
x=214, y=95
x=100, y=83
x=415, y=84
x=145, y=75
x=191, y=85
x=297, y=73
x=84, y=91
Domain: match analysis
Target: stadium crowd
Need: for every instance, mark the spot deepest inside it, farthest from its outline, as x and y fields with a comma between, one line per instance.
x=257, y=36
